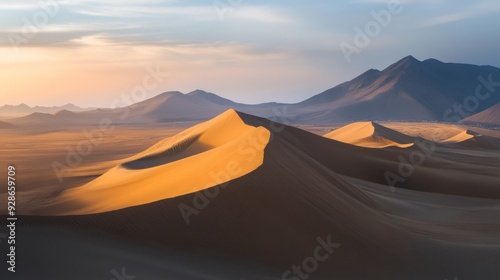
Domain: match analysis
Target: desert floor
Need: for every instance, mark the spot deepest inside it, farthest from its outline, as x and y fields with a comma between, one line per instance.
x=118, y=202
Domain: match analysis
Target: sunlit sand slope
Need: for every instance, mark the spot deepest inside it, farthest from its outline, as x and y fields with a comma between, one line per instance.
x=190, y=161
x=370, y=135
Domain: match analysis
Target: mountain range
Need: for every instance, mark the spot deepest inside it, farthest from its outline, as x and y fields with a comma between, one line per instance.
x=23, y=109
x=408, y=90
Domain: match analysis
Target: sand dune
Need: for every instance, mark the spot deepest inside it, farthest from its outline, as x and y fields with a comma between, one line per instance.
x=471, y=139
x=370, y=135
x=461, y=137
x=298, y=187
x=436, y=132
x=373, y=135
x=224, y=145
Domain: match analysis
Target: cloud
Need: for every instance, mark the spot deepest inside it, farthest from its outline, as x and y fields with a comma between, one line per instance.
x=477, y=10
x=403, y=2
x=260, y=14
x=18, y=6
x=124, y=11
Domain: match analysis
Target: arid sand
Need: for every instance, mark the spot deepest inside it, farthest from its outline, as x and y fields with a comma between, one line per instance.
x=183, y=164
x=291, y=189
x=33, y=153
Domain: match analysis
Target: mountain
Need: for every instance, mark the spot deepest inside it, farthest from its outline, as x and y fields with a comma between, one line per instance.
x=5, y=125
x=24, y=110
x=490, y=116
x=171, y=106
x=196, y=105
x=63, y=118
x=238, y=188
x=406, y=90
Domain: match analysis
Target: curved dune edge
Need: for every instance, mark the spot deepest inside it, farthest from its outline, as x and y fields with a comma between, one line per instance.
x=471, y=139
x=373, y=135
x=463, y=136
x=370, y=135
x=204, y=156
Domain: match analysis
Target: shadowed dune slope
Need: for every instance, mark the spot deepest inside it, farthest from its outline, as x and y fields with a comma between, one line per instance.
x=440, y=221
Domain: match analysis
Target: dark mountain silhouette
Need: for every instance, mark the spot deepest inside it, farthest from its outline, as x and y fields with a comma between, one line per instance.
x=407, y=90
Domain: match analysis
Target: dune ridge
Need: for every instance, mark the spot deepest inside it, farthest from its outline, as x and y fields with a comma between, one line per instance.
x=370, y=135
x=471, y=139
x=224, y=145
x=373, y=135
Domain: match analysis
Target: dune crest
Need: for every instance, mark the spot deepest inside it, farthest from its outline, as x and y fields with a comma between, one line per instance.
x=473, y=139
x=370, y=135
x=461, y=137
x=204, y=156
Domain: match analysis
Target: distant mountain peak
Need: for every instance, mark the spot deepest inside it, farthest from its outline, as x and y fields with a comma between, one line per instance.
x=166, y=94
x=170, y=93
x=211, y=97
x=404, y=66
x=432, y=60
x=409, y=58
x=199, y=91
x=64, y=112
x=408, y=89
x=406, y=62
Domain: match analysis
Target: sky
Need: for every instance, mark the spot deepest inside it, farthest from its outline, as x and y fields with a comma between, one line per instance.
x=92, y=53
